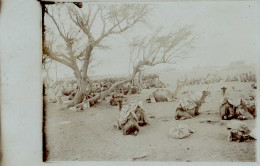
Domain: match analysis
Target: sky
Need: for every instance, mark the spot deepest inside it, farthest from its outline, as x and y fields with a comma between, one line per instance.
x=225, y=31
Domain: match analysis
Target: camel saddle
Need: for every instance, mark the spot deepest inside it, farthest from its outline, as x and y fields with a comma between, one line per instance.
x=187, y=103
x=128, y=110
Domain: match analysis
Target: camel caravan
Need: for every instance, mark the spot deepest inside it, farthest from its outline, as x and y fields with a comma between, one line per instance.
x=243, y=77
x=132, y=114
x=69, y=88
x=188, y=107
x=214, y=77
x=207, y=79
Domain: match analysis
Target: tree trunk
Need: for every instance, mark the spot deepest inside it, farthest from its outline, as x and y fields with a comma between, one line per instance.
x=81, y=92
x=84, y=88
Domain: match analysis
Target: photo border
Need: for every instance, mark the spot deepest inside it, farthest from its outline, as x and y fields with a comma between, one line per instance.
x=21, y=87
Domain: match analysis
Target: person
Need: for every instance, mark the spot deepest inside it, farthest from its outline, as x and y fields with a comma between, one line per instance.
x=59, y=94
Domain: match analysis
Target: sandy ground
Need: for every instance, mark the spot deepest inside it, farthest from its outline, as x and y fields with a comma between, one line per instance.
x=90, y=135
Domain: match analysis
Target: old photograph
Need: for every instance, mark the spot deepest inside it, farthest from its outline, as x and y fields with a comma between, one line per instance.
x=150, y=81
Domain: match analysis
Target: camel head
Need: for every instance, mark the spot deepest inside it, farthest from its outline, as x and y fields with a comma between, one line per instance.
x=205, y=93
x=223, y=89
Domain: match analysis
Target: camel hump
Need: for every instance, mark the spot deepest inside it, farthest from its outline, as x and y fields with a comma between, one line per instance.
x=243, y=112
x=235, y=101
x=128, y=110
x=231, y=100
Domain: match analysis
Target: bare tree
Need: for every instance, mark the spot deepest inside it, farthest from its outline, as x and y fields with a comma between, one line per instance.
x=155, y=49
x=64, y=45
x=114, y=19
x=160, y=48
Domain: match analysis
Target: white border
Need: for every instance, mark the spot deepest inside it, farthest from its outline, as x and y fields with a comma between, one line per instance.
x=21, y=89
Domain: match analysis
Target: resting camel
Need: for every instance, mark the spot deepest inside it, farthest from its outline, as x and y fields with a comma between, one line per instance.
x=243, y=110
x=131, y=117
x=162, y=95
x=189, y=107
x=227, y=109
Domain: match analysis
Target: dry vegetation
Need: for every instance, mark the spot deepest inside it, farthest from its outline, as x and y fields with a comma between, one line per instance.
x=90, y=134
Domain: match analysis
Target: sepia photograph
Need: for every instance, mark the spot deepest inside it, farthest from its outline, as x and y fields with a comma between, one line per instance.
x=158, y=81
x=129, y=82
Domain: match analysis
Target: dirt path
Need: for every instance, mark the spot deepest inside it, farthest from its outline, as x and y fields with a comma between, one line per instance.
x=90, y=135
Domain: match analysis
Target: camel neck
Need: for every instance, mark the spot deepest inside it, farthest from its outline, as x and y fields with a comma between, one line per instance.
x=202, y=99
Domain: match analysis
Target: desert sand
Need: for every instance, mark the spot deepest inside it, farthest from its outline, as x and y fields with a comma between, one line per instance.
x=91, y=135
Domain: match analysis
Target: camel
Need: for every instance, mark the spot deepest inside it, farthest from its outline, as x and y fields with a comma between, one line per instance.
x=230, y=109
x=189, y=107
x=162, y=95
x=238, y=131
x=131, y=117
x=249, y=103
x=242, y=112
x=227, y=109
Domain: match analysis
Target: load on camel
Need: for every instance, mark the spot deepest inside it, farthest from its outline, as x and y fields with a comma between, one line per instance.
x=238, y=131
x=131, y=117
x=188, y=107
x=163, y=95
x=249, y=102
x=238, y=107
x=180, y=131
x=227, y=109
x=246, y=108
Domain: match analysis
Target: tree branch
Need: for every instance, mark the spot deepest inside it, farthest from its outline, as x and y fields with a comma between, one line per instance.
x=159, y=49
